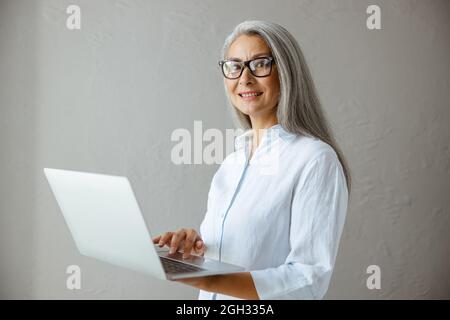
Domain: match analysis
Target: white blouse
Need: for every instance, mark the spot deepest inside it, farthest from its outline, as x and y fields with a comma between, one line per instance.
x=280, y=214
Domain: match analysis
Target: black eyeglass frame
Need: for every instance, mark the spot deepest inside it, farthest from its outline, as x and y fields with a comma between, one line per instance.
x=247, y=64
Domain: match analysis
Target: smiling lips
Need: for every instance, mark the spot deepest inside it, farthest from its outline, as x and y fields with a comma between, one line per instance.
x=250, y=95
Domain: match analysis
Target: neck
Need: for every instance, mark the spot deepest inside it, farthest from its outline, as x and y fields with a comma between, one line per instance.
x=258, y=125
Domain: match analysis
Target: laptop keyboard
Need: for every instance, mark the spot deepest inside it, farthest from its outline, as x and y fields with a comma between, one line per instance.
x=172, y=266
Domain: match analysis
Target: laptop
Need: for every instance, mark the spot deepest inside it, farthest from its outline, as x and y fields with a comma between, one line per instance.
x=106, y=223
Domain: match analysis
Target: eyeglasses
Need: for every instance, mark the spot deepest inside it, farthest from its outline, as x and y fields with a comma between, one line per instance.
x=259, y=67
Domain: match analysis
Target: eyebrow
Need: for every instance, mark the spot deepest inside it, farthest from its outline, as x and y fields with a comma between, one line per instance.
x=254, y=56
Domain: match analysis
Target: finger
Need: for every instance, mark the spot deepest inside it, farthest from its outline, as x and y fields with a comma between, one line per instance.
x=189, y=243
x=156, y=240
x=165, y=239
x=180, y=247
x=176, y=239
x=199, y=247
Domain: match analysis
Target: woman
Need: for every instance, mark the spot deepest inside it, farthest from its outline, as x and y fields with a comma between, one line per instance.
x=284, y=226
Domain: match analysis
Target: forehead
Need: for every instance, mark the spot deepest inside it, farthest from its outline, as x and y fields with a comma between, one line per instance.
x=245, y=46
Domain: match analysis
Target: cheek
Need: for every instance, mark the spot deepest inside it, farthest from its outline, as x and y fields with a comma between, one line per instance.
x=274, y=81
x=230, y=89
x=274, y=90
x=230, y=84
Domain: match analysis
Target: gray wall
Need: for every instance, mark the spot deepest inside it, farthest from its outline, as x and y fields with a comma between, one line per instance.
x=106, y=98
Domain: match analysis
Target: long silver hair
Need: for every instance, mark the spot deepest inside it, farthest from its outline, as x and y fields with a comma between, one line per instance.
x=299, y=109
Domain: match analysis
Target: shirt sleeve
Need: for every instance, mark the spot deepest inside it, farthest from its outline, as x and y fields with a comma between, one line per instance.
x=319, y=206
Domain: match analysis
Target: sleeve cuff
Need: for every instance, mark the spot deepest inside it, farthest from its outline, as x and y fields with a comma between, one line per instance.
x=272, y=284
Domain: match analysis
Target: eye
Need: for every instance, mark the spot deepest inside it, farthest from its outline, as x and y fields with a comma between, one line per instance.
x=261, y=63
x=233, y=66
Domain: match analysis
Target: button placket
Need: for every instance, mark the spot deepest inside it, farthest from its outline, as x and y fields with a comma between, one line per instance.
x=236, y=190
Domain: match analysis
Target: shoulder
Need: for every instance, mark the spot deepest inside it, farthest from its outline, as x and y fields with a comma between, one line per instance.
x=318, y=164
x=307, y=150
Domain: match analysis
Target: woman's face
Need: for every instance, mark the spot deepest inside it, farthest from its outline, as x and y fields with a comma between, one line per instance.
x=246, y=48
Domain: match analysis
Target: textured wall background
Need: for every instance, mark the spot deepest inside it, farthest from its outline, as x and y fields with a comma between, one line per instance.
x=107, y=97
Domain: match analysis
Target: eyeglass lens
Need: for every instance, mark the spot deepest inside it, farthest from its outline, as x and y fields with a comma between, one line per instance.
x=259, y=67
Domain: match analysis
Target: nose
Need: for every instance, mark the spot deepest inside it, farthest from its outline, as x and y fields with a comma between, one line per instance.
x=246, y=77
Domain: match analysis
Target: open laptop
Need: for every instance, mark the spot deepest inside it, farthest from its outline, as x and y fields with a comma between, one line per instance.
x=106, y=223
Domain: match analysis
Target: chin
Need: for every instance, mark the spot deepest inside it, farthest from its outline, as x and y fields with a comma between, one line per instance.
x=253, y=110
x=250, y=108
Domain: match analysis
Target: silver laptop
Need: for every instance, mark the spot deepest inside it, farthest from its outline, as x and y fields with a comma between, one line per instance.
x=106, y=223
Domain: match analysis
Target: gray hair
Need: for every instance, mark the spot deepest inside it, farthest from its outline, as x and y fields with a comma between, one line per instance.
x=299, y=110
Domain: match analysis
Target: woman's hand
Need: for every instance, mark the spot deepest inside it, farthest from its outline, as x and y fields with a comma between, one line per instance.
x=186, y=240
